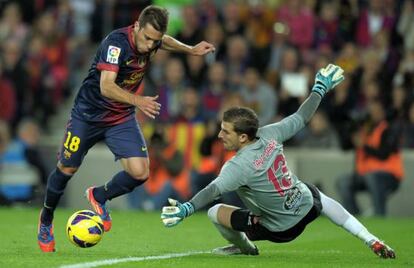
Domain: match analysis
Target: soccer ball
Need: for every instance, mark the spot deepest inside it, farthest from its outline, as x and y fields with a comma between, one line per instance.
x=85, y=228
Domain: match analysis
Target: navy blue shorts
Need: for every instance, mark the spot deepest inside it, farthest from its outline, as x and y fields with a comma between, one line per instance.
x=124, y=140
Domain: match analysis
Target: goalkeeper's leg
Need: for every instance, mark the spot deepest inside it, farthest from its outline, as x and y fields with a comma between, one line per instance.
x=340, y=216
x=220, y=215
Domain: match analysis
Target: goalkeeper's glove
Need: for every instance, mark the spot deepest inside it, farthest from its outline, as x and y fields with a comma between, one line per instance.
x=327, y=78
x=174, y=214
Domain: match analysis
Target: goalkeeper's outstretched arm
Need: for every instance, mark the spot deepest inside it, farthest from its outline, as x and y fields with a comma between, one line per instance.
x=174, y=214
x=308, y=107
x=205, y=196
x=325, y=80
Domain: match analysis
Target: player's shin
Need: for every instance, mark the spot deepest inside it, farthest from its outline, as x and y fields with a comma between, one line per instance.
x=239, y=239
x=122, y=183
x=340, y=216
x=56, y=185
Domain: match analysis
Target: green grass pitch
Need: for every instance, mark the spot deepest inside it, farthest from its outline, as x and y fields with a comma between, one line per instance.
x=138, y=234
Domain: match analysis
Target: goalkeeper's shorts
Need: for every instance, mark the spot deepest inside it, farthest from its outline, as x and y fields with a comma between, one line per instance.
x=242, y=220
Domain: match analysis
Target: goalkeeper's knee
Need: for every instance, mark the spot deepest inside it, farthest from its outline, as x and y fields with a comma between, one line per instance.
x=212, y=213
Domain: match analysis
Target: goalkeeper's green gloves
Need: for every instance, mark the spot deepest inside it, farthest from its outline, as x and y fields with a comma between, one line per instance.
x=174, y=214
x=327, y=78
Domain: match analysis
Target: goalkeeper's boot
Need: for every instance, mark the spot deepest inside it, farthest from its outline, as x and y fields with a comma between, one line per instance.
x=45, y=237
x=99, y=208
x=381, y=249
x=234, y=250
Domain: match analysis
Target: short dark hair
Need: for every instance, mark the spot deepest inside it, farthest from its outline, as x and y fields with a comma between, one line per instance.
x=244, y=121
x=156, y=16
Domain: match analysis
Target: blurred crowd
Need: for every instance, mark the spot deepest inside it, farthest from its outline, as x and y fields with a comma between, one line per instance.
x=267, y=52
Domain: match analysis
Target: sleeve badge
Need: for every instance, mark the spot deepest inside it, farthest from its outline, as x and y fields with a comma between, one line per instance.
x=113, y=54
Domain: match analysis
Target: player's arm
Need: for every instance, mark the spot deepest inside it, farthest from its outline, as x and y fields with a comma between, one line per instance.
x=230, y=179
x=111, y=90
x=171, y=44
x=176, y=212
x=325, y=80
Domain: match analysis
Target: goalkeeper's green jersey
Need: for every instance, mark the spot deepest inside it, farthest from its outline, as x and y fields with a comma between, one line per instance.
x=262, y=179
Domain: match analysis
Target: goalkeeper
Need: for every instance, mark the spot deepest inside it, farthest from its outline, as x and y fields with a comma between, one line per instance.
x=279, y=204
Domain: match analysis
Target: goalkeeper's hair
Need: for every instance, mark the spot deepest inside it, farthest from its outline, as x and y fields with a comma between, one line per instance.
x=244, y=121
x=156, y=16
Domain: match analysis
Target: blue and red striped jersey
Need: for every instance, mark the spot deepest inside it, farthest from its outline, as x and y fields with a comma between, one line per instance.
x=117, y=53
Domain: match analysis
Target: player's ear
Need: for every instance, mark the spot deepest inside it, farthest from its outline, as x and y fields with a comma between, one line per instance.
x=243, y=138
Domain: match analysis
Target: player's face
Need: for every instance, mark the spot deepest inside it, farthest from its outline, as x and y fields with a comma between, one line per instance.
x=229, y=137
x=146, y=37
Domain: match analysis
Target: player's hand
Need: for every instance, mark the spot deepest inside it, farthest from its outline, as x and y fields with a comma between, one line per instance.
x=174, y=214
x=202, y=48
x=327, y=78
x=148, y=105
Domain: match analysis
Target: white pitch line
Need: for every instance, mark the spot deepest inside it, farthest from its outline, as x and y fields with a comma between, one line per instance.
x=132, y=259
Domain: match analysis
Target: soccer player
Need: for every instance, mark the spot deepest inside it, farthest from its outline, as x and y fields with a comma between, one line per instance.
x=279, y=204
x=104, y=109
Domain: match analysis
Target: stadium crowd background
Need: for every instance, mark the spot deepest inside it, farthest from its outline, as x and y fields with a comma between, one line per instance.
x=266, y=55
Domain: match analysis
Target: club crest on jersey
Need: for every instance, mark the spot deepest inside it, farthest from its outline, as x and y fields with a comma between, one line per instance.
x=67, y=154
x=113, y=54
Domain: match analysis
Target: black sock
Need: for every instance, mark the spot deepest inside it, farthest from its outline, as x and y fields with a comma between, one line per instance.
x=120, y=184
x=56, y=184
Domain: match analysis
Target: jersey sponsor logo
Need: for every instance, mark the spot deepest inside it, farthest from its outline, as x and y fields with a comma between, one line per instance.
x=113, y=54
x=140, y=62
x=133, y=78
x=293, y=198
x=270, y=147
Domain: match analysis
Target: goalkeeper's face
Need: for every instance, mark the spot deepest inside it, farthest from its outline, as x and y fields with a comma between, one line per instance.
x=231, y=140
x=146, y=38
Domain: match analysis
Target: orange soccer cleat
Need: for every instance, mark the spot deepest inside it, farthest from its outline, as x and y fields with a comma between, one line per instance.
x=45, y=237
x=99, y=208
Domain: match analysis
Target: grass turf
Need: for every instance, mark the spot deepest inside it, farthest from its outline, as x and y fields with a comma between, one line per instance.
x=138, y=234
